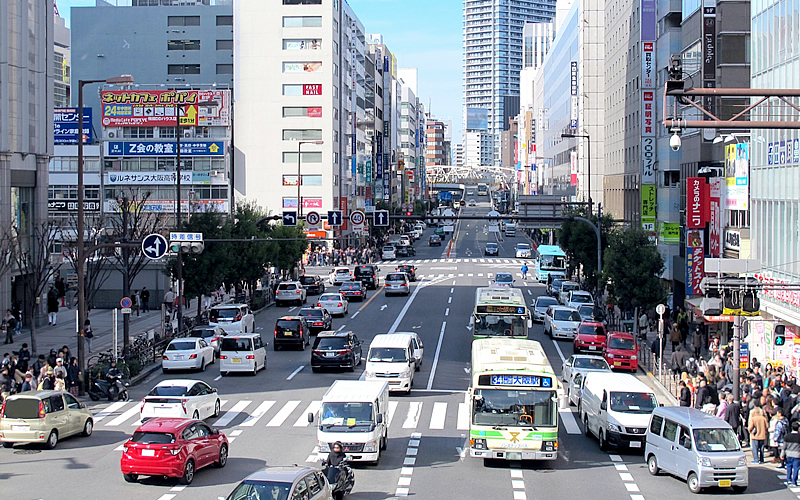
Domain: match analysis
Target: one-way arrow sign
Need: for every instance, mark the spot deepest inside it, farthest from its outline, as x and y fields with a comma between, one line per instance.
x=382, y=218
x=289, y=218
x=154, y=246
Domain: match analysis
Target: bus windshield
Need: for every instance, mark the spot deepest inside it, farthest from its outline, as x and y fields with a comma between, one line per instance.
x=501, y=407
x=500, y=326
x=553, y=262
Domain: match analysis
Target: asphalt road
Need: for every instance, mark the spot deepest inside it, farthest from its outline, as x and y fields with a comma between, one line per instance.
x=265, y=416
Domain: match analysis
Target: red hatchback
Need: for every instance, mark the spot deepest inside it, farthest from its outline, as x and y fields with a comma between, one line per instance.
x=591, y=338
x=172, y=447
x=620, y=351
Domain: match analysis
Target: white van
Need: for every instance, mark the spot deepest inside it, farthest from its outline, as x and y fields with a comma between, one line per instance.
x=354, y=412
x=391, y=358
x=616, y=408
x=697, y=447
x=242, y=353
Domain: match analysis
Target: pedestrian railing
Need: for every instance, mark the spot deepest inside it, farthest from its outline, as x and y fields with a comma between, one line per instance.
x=665, y=376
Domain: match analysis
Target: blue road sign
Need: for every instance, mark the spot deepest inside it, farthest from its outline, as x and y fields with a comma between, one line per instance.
x=154, y=246
x=290, y=218
x=334, y=217
x=382, y=218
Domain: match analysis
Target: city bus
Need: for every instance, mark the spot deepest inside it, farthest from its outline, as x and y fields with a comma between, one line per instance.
x=483, y=189
x=549, y=258
x=512, y=401
x=500, y=312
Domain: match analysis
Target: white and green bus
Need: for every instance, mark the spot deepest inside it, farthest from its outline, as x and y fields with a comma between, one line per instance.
x=500, y=312
x=513, y=401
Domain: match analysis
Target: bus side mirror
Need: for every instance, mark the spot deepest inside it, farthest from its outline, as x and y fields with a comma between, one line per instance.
x=310, y=417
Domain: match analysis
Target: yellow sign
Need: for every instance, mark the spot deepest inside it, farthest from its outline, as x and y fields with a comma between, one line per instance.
x=351, y=422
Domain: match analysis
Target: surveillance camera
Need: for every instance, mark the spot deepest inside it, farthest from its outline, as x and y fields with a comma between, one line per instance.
x=675, y=142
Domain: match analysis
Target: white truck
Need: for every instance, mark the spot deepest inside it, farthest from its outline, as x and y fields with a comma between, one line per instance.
x=354, y=412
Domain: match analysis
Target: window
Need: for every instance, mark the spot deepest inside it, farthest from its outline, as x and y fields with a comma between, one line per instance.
x=302, y=67
x=302, y=89
x=670, y=430
x=56, y=404
x=183, y=44
x=224, y=44
x=224, y=69
x=685, y=439
x=302, y=2
x=305, y=157
x=307, y=180
x=137, y=132
x=183, y=69
x=655, y=425
x=224, y=20
x=166, y=132
x=183, y=20
x=307, y=111
x=307, y=44
x=302, y=135
x=302, y=21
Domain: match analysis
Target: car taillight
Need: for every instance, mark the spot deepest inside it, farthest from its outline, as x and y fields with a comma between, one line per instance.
x=298, y=291
x=193, y=356
x=141, y=408
x=3, y=411
x=165, y=357
x=250, y=356
x=174, y=450
x=339, y=305
x=318, y=323
x=356, y=293
x=276, y=331
x=318, y=352
x=319, y=304
x=343, y=351
x=41, y=409
x=239, y=316
x=183, y=405
x=222, y=356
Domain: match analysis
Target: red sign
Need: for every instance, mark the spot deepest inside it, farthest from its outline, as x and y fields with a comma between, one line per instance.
x=789, y=296
x=343, y=208
x=156, y=108
x=312, y=89
x=714, y=229
x=696, y=202
x=697, y=270
x=315, y=234
x=315, y=112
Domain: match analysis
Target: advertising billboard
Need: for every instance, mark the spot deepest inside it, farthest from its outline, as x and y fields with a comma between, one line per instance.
x=694, y=262
x=737, y=172
x=477, y=119
x=65, y=126
x=649, y=208
x=714, y=218
x=670, y=232
x=697, y=202
x=165, y=148
x=157, y=108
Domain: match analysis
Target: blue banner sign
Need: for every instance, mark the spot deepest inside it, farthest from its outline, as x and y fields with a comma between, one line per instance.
x=522, y=380
x=65, y=126
x=166, y=148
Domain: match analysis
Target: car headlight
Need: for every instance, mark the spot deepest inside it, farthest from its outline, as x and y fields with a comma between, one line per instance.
x=323, y=447
x=478, y=444
x=371, y=447
x=369, y=374
x=742, y=460
x=633, y=358
x=405, y=373
x=704, y=461
x=614, y=427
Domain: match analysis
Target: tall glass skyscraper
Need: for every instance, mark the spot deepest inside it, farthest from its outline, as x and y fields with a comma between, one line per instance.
x=493, y=61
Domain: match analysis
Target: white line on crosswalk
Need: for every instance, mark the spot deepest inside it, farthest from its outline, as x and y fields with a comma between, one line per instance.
x=167, y=496
x=259, y=412
x=391, y=412
x=124, y=417
x=283, y=414
x=229, y=415
x=482, y=260
x=302, y=420
x=462, y=424
x=470, y=275
x=447, y=312
x=460, y=275
x=438, y=415
x=110, y=410
x=568, y=419
x=412, y=418
x=480, y=275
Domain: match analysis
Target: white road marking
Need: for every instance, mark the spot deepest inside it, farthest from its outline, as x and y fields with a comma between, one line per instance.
x=302, y=420
x=436, y=356
x=219, y=377
x=232, y=413
x=529, y=292
x=384, y=307
x=615, y=458
x=480, y=275
x=237, y=432
x=518, y=484
x=412, y=452
x=298, y=370
x=406, y=471
x=124, y=417
x=560, y=354
x=568, y=419
x=390, y=412
x=621, y=467
x=470, y=275
x=462, y=422
x=447, y=312
x=177, y=489
x=292, y=308
x=341, y=328
x=451, y=290
x=401, y=492
x=412, y=418
x=460, y=275
x=409, y=461
x=120, y=447
x=404, y=481
x=632, y=487
x=516, y=474
x=406, y=306
x=520, y=495
x=626, y=476
x=166, y=496
x=109, y=410
x=354, y=314
x=438, y=415
x=283, y=414
x=314, y=455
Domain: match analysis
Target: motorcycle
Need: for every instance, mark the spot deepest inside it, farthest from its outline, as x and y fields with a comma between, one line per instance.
x=341, y=478
x=101, y=388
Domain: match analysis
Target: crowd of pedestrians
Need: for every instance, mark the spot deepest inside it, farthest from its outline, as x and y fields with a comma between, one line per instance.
x=57, y=371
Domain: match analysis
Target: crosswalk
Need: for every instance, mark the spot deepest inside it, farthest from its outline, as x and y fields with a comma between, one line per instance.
x=495, y=260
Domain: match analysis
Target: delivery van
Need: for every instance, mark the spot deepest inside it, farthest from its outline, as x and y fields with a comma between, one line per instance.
x=391, y=358
x=354, y=412
x=616, y=408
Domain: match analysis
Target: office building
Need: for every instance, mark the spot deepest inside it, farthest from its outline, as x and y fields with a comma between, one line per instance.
x=61, y=63
x=26, y=128
x=458, y=154
x=438, y=150
x=493, y=59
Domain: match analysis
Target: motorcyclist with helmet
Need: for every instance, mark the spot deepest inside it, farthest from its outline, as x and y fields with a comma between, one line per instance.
x=114, y=377
x=339, y=474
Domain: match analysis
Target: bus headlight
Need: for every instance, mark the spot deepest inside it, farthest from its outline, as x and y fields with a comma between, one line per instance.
x=478, y=444
x=550, y=446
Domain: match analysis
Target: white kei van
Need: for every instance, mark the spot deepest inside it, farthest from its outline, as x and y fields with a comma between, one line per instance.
x=391, y=358
x=616, y=408
x=242, y=353
x=354, y=412
x=697, y=447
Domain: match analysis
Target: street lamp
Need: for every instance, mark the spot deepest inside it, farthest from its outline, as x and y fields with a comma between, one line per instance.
x=179, y=271
x=80, y=237
x=299, y=181
x=588, y=162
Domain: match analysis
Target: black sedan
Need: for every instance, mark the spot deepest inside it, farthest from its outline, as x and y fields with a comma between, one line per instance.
x=353, y=290
x=434, y=241
x=411, y=271
x=317, y=318
x=313, y=284
x=336, y=350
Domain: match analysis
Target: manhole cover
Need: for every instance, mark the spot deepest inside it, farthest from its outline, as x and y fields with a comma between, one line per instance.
x=27, y=452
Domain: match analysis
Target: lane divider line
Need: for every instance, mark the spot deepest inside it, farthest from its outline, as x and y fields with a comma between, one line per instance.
x=436, y=356
x=298, y=370
x=404, y=481
x=518, y=485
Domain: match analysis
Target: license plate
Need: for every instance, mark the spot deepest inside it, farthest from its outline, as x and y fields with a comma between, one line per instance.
x=20, y=428
x=177, y=357
x=237, y=360
x=288, y=333
x=514, y=456
x=148, y=453
x=592, y=348
x=617, y=363
x=636, y=444
x=724, y=483
x=330, y=354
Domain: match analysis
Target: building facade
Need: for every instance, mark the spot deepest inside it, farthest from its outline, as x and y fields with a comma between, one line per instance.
x=493, y=59
x=61, y=63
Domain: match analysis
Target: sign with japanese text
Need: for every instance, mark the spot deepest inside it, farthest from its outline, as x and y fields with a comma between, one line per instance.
x=648, y=113
x=714, y=217
x=165, y=148
x=123, y=178
x=737, y=174
x=157, y=108
x=783, y=295
x=648, y=207
x=168, y=206
x=648, y=65
x=648, y=160
x=59, y=205
x=65, y=126
x=696, y=202
x=669, y=232
x=694, y=269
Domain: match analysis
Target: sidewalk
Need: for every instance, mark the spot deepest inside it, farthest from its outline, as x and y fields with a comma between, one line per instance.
x=64, y=333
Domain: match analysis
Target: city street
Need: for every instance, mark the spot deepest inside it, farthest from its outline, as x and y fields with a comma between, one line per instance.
x=264, y=416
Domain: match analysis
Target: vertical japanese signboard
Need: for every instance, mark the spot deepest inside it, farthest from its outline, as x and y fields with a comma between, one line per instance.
x=647, y=22
x=696, y=202
x=573, y=92
x=709, y=51
x=714, y=216
x=694, y=261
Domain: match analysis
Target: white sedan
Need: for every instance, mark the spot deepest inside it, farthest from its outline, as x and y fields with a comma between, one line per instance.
x=340, y=275
x=335, y=303
x=575, y=368
x=186, y=354
x=181, y=398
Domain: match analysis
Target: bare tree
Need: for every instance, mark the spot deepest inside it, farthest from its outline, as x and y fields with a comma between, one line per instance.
x=31, y=255
x=97, y=268
x=131, y=223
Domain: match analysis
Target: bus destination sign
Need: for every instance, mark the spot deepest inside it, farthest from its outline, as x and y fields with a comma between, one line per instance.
x=522, y=381
x=490, y=309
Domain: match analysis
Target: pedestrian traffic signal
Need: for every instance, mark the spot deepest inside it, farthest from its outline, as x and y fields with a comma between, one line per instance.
x=780, y=335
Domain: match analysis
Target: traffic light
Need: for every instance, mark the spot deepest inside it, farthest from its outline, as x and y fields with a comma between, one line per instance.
x=780, y=335
x=751, y=304
x=186, y=247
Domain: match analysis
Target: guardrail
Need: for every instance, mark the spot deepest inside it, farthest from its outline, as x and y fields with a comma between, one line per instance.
x=665, y=376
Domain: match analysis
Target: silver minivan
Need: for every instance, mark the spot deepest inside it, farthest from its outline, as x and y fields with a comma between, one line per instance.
x=699, y=448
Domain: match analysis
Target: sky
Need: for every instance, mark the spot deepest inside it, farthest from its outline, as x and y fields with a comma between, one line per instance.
x=422, y=34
